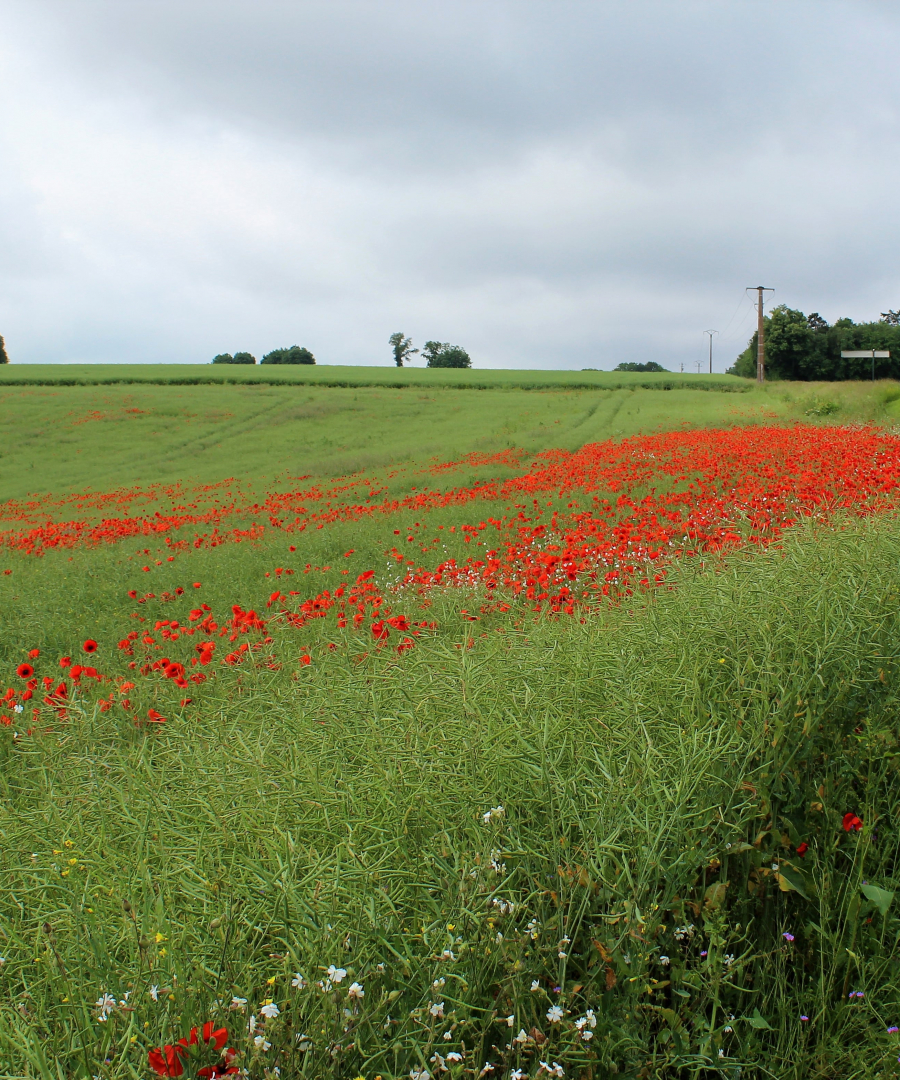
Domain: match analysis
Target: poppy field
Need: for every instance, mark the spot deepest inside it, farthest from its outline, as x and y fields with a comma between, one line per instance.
x=550, y=757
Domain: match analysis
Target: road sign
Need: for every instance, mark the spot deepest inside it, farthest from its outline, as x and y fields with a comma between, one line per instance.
x=866, y=354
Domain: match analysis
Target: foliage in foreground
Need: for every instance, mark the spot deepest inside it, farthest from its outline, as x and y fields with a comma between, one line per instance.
x=663, y=843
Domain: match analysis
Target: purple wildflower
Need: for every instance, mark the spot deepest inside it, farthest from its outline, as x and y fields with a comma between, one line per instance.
x=788, y=937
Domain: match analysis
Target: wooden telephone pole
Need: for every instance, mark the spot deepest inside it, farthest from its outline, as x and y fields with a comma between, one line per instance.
x=760, y=333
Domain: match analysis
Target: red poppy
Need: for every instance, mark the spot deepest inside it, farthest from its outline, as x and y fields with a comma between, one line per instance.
x=166, y=1060
x=802, y=849
x=25, y=671
x=65, y=661
x=155, y=717
x=852, y=823
x=34, y=654
x=90, y=646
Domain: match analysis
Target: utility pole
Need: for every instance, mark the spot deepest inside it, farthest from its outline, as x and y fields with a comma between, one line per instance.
x=760, y=333
x=710, y=332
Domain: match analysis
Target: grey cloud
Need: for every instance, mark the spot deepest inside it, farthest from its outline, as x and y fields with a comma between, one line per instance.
x=545, y=182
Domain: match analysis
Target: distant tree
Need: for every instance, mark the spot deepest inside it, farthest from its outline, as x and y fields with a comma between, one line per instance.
x=443, y=354
x=294, y=355
x=632, y=365
x=892, y=318
x=4, y=359
x=402, y=347
x=238, y=358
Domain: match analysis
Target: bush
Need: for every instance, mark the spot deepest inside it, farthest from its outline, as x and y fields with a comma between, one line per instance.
x=4, y=359
x=294, y=355
x=238, y=358
x=632, y=365
x=443, y=354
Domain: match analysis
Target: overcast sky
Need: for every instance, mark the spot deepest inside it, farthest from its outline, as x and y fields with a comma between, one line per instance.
x=549, y=183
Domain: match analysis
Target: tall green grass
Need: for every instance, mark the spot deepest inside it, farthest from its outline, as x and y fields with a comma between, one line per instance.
x=658, y=765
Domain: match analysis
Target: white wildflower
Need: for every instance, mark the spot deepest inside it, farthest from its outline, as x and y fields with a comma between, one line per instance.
x=298, y=982
x=589, y=1020
x=454, y=1057
x=511, y=1020
x=270, y=1011
x=154, y=992
x=355, y=990
x=105, y=1003
x=262, y=1043
x=439, y=983
x=437, y=1060
x=448, y=1035
x=238, y=1004
x=535, y=986
x=416, y=1074
x=336, y=974
x=518, y=1074
x=447, y=954
x=488, y=1068
x=496, y=813
x=552, y=1070
x=664, y=960
x=251, y=1024
x=554, y=1014
x=522, y=1037
x=303, y=1043
x=437, y=1010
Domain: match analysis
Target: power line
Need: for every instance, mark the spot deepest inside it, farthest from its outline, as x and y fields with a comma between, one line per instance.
x=744, y=297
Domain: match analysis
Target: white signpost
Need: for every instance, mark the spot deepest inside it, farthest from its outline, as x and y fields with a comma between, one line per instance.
x=866, y=354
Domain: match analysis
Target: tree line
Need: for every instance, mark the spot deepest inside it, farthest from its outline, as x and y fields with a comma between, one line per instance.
x=296, y=354
x=806, y=347
x=435, y=353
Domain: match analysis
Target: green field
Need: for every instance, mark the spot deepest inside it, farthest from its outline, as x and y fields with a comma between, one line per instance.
x=59, y=438
x=670, y=889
